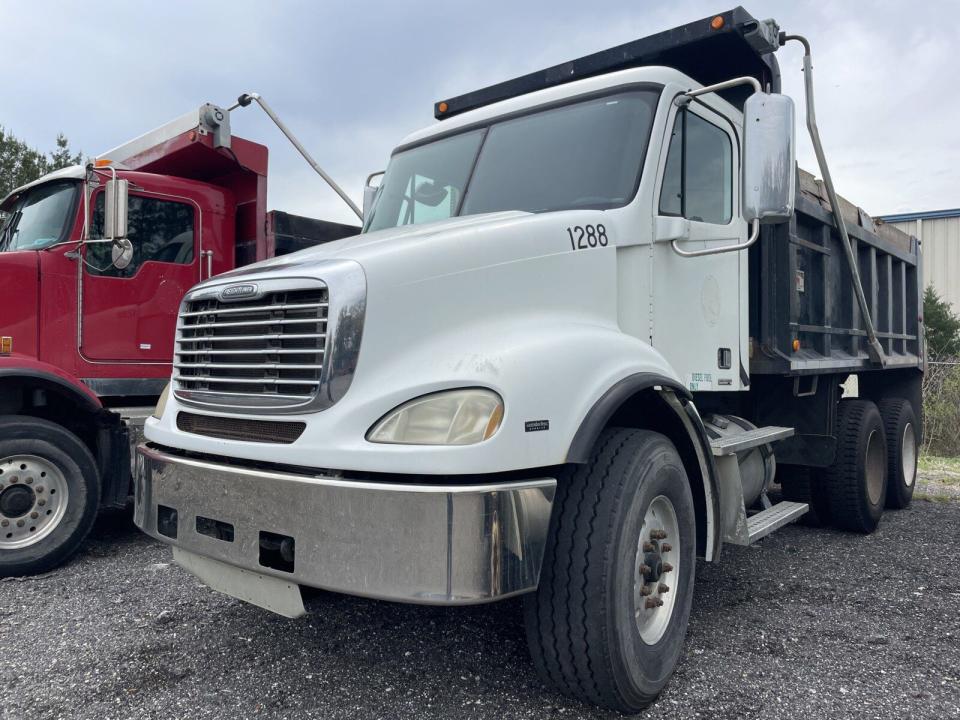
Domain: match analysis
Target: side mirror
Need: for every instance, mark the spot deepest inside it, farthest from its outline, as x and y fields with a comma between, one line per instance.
x=116, y=195
x=769, y=158
x=121, y=253
x=370, y=194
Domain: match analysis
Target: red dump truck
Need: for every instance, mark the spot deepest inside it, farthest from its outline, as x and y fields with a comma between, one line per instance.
x=87, y=324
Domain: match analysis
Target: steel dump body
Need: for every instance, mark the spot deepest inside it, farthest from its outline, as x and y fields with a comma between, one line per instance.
x=801, y=290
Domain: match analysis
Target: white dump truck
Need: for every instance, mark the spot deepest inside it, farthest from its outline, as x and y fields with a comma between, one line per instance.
x=594, y=328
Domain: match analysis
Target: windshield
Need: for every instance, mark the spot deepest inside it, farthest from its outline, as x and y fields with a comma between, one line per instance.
x=39, y=218
x=584, y=155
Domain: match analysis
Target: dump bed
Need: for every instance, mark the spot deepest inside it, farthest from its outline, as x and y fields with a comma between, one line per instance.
x=801, y=290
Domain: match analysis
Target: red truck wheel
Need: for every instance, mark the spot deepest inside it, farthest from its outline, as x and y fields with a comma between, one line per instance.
x=49, y=494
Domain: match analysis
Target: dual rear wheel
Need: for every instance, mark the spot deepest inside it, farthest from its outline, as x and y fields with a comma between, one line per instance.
x=875, y=466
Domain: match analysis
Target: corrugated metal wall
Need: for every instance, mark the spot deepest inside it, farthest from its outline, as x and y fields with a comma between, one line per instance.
x=941, y=254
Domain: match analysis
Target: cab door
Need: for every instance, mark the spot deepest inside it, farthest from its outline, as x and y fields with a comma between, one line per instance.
x=130, y=315
x=699, y=303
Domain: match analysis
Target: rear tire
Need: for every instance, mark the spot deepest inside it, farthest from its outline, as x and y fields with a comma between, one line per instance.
x=857, y=480
x=49, y=494
x=902, y=430
x=595, y=629
x=803, y=484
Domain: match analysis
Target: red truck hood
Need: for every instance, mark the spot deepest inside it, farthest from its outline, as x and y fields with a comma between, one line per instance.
x=19, y=299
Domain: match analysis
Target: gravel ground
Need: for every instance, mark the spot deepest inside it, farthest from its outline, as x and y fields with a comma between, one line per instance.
x=810, y=623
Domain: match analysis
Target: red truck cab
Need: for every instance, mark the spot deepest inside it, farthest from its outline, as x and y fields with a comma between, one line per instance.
x=83, y=338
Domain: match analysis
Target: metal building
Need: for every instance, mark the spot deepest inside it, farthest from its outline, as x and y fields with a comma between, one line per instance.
x=939, y=234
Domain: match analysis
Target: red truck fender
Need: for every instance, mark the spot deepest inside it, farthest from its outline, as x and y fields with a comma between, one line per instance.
x=66, y=401
x=23, y=366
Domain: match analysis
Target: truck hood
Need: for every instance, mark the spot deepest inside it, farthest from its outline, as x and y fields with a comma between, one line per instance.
x=364, y=245
x=417, y=252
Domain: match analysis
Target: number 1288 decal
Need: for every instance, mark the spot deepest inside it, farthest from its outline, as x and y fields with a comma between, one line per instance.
x=587, y=236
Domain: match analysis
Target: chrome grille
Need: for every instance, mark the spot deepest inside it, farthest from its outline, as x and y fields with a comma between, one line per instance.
x=264, y=351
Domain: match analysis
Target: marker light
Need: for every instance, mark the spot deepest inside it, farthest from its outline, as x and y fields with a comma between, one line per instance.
x=443, y=107
x=796, y=345
x=6, y=345
x=102, y=162
x=453, y=417
x=717, y=22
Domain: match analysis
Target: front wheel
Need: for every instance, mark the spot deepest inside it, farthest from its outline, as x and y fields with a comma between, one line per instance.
x=49, y=494
x=608, y=620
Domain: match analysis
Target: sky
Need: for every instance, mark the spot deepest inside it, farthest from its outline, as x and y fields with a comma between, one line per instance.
x=351, y=79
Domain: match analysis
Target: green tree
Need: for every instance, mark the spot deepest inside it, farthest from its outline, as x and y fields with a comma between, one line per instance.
x=62, y=157
x=20, y=164
x=941, y=325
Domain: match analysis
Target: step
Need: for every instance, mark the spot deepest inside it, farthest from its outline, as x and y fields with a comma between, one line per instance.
x=773, y=518
x=749, y=439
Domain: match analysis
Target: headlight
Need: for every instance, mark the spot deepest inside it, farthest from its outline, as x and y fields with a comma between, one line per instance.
x=161, y=403
x=454, y=417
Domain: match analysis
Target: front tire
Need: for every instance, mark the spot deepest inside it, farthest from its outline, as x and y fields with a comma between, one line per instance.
x=608, y=620
x=857, y=480
x=49, y=494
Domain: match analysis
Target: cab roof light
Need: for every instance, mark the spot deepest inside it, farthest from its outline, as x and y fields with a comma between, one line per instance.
x=102, y=162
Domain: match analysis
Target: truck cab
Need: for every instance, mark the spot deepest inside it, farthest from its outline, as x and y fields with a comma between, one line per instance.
x=88, y=314
x=593, y=314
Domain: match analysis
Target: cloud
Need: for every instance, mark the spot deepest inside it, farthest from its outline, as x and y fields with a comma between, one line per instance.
x=351, y=79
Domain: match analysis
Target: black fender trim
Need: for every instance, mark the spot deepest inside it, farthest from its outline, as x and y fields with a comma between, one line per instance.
x=110, y=436
x=680, y=400
x=59, y=382
x=599, y=415
x=713, y=478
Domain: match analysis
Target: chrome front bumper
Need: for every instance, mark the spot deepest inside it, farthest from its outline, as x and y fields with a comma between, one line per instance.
x=422, y=543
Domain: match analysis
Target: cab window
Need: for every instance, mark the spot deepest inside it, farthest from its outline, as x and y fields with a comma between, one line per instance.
x=698, y=178
x=159, y=230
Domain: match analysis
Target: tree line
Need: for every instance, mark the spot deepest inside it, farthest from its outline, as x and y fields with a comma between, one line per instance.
x=20, y=163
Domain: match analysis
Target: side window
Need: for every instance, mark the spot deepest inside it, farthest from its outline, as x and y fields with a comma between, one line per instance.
x=698, y=177
x=160, y=230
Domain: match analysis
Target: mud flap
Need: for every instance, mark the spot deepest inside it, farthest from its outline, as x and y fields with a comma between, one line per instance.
x=270, y=593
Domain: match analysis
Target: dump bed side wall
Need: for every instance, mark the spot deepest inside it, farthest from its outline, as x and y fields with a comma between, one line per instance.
x=801, y=290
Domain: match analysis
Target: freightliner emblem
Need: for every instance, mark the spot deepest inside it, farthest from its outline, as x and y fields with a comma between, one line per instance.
x=238, y=292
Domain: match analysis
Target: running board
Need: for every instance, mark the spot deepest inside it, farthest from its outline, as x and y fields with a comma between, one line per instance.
x=750, y=439
x=737, y=527
x=773, y=518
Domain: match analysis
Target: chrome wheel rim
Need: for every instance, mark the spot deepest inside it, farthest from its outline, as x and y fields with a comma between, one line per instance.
x=33, y=500
x=658, y=562
x=874, y=467
x=908, y=454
